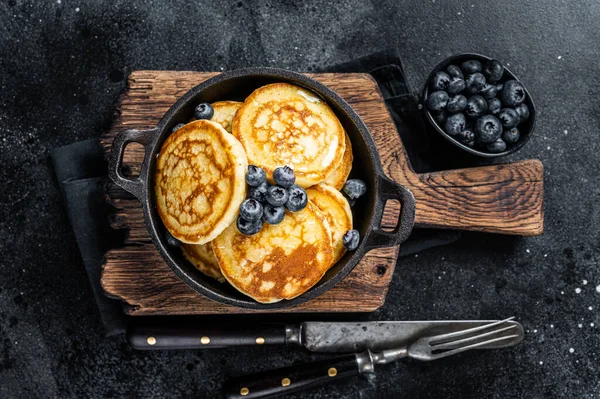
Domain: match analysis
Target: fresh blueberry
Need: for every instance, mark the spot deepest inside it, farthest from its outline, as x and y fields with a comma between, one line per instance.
x=466, y=136
x=475, y=82
x=255, y=176
x=454, y=72
x=513, y=93
x=509, y=117
x=489, y=91
x=297, y=198
x=488, y=129
x=439, y=116
x=204, y=111
x=437, y=100
x=259, y=192
x=248, y=227
x=354, y=188
x=440, y=81
x=456, y=104
x=494, y=106
x=493, y=71
x=455, y=124
x=273, y=214
x=178, y=126
x=456, y=86
x=277, y=195
x=471, y=66
x=476, y=106
x=251, y=210
x=496, y=146
x=351, y=239
x=284, y=176
x=171, y=241
x=351, y=202
x=523, y=112
x=511, y=136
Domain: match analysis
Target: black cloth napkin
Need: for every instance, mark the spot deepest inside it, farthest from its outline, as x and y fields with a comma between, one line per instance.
x=81, y=172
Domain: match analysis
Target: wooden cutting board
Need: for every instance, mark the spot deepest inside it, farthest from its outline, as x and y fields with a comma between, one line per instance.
x=505, y=199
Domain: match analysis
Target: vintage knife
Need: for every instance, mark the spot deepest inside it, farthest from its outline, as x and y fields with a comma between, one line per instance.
x=316, y=336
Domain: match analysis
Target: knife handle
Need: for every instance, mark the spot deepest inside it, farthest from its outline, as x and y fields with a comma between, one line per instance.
x=156, y=337
x=291, y=379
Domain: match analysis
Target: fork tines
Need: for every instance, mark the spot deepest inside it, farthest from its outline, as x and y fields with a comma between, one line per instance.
x=449, y=344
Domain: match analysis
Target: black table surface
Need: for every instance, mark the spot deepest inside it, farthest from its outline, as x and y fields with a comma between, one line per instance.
x=63, y=65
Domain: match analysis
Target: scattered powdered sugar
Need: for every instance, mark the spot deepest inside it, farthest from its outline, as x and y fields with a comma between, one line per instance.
x=541, y=363
x=551, y=325
x=590, y=308
x=578, y=290
x=580, y=325
x=77, y=9
x=591, y=324
x=528, y=251
x=584, y=282
x=571, y=350
x=598, y=288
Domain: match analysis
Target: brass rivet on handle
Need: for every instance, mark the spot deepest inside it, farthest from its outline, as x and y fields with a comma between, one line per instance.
x=244, y=391
x=332, y=372
x=260, y=340
x=285, y=382
x=205, y=340
x=151, y=340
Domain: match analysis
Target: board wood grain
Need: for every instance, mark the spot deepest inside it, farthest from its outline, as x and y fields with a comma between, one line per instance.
x=501, y=198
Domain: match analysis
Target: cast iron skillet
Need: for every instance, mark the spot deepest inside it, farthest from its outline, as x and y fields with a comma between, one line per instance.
x=237, y=85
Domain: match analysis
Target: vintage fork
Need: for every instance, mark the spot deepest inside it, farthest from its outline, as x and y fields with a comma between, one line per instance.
x=295, y=378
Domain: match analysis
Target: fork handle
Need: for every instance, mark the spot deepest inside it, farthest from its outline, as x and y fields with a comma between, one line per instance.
x=286, y=380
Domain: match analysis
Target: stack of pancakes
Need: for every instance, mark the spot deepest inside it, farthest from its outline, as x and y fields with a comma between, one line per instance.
x=200, y=184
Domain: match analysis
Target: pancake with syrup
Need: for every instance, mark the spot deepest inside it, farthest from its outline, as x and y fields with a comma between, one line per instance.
x=200, y=181
x=338, y=177
x=203, y=258
x=283, y=124
x=334, y=206
x=281, y=261
x=224, y=113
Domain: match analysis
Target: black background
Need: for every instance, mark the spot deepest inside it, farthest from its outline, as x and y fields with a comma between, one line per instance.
x=63, y=65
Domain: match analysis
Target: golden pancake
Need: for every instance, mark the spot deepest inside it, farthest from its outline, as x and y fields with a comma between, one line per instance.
x=281, y=261
x=334, y=206
x=203, y=258
x=200, y=181
x=339, y=176
x=282, y=124
x=224, y=113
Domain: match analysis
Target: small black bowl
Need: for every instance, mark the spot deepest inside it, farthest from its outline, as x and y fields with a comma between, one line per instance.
x=525, y=128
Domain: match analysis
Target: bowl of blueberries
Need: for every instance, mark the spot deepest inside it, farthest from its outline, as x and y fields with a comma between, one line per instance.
x=478, y=105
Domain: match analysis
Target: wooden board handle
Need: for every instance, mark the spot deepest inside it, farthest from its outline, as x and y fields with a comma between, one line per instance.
x=505, y=199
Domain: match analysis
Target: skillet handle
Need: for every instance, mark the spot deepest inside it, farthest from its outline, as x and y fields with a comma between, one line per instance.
x=133, y=186
x=389, y=190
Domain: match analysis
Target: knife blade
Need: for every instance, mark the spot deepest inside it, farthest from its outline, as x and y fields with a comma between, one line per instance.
x=316, y=336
